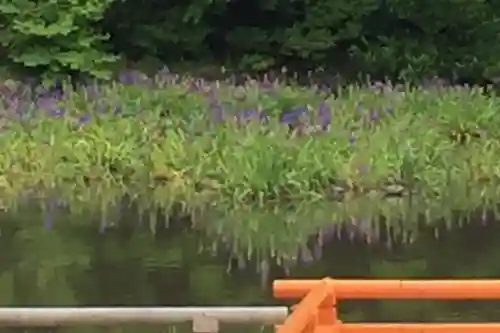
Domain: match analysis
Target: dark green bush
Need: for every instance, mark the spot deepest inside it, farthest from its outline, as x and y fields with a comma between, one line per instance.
x=55, y=37
x=382, y=38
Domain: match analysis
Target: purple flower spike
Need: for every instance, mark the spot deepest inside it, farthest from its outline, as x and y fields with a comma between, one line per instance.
x=217, y=112
x=249, y=114
x=266, y=83
x=293, y=120
x=325, y=116
x=374, y=115
x=293, y=116
x=126, y=77
x=130, y=76
x=84, y=119
x=57, y=112
x=264, y=117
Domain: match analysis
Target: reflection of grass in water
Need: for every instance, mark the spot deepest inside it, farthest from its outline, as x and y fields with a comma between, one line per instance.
x=266, y=187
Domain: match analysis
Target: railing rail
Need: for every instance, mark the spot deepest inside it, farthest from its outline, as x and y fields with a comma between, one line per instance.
x=317, y=312
x=204, y=319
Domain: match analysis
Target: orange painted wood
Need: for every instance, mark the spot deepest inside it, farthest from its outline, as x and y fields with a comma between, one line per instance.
x=304, y=315
x=317, y=312
x=410, y=328
x=393, y=289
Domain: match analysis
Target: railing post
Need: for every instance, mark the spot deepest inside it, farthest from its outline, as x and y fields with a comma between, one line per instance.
x=327, y=311
x=304, y=318
x=205, y=324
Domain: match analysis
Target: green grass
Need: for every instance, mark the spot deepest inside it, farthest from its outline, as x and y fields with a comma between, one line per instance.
x=435, y=155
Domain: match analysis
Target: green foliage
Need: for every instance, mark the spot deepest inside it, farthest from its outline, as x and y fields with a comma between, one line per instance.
x=396, y=39
x=391, y=38
x=55, y=37
x=174, y=155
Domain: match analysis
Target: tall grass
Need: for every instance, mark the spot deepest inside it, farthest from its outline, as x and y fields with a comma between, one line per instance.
x=265, y=163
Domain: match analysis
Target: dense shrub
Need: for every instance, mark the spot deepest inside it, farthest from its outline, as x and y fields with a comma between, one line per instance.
x=54, y=36
x=393, y=38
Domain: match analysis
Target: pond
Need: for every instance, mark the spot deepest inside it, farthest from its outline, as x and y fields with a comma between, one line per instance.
x=75, y=264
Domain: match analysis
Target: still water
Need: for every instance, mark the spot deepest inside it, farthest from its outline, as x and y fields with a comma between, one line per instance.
x=75, y=264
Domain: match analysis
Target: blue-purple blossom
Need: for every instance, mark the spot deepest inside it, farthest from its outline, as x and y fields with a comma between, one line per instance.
x=84, y=119
x=217, y=111
x=324, y=115
x=374, y=115
x=247, y=114
x=293, y=116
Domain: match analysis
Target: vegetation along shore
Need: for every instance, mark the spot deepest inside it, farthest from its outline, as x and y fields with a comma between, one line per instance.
x=269, y=164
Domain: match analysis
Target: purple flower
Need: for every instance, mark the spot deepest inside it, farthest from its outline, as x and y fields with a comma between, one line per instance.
x=325, y=116
x=217, y=112
x=129, y=76
x=57, y=112
x=374, y=115
x=264, y=116
x=84, y=119
x=293, y=116
x=248, y=114
x=293, y=119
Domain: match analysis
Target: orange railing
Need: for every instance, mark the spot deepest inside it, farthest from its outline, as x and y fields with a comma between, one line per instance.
x=317, y=312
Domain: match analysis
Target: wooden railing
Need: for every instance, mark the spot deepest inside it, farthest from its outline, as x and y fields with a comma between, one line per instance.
x=317, y=311
x=203, y=319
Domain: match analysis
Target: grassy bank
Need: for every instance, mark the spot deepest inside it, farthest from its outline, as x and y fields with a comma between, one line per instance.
x=266, y=163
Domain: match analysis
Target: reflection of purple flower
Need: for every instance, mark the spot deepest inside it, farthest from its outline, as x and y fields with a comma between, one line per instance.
x=305, y=255
x=484, y=217
x=318, y=251
x=48, y=220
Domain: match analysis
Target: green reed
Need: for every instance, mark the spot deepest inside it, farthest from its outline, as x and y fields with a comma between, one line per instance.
x=400, y=156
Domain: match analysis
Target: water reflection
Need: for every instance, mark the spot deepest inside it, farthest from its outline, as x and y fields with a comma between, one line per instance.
x=74, y=264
